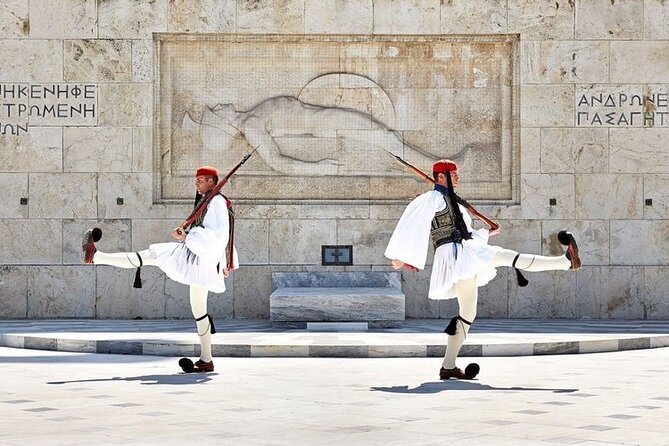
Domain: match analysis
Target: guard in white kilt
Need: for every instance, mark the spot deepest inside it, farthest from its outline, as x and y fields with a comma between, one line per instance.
x=463, y=259
x=202, y=257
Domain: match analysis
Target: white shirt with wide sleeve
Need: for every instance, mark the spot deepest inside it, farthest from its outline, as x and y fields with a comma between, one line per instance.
x=200, y=259
x=452, y=261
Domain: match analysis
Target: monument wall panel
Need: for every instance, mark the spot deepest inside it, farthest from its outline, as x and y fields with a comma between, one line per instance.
x=556, y=111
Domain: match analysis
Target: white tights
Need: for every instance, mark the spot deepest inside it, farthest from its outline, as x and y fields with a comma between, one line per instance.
x=467, y=293
x=198, y=305
x=124, y=259
x=198, y=295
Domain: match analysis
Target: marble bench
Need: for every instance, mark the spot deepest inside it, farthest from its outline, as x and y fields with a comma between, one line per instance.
x=372, y=297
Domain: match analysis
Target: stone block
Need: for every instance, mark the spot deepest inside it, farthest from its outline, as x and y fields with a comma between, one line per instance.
x=142, y=60
x=519, y=235
x=536, y=192
x=62, y=195
x=267, y=16
x=473, y=17
x=300, y=241
x=13, y=292
x=117, y=299
x=63, y=19
x=97, y=149
x=253, y=286
x=331, y=279
x=61, y=291
x=547, y=106
x=549, y=295
x=336, y=304
x=268, y=211
x=352, y=17
x=610, y=292
x=15, y=21
x=592, y=237
x=40, y=61
x=656, y=20
x=339, y=212
x=115, y=237
x=369, y=239
x=574, y=150
x=126, y=104
x=609, y=196
x=530, y=150
x=639, y=150
x=656, y=301
x=654, y=188
x=252, y=241
x=31, y=242
x=147, y=232
x=541, y=20
x=406, y=17
x=14, y=187
x=142, y=149
x=386, y=211
x=362, y=296
x=202, y=16
x=39, y=150
x=635, y=242
x=604, y=19
x=627, y=56
x=135, y=190
x=556, y=348
x=98, y=60
x=559, y=62
x=129, y=19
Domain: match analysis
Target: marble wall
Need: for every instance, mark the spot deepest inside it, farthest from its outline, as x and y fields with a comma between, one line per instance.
x=79, y=101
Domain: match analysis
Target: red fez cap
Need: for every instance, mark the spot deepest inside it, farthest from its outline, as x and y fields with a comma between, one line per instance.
x=206, y=170
x=443, y=166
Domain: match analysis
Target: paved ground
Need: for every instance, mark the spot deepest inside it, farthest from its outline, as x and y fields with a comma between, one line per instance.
x=417, y=338
x=59, y=398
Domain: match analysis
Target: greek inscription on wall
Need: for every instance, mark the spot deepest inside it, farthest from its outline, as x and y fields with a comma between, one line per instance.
x=622, y=106
x=325, y=112
x=23, y=105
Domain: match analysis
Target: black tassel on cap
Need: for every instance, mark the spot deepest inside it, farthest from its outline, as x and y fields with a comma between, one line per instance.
x=138, y=273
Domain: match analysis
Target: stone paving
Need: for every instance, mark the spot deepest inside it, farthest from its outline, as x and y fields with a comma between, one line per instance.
x=61, y=398
x=417, y=338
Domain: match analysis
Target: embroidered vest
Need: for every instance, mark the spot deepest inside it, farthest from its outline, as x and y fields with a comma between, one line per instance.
x=444, y=229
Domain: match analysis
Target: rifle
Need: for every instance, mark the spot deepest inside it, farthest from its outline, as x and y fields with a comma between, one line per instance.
x=493, y=225
x=202, y=205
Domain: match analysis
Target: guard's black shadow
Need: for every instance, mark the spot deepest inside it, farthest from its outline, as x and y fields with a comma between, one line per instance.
x=175, y=379
x=442, y=386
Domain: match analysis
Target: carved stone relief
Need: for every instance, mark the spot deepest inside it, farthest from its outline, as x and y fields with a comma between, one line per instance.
x=325, y=111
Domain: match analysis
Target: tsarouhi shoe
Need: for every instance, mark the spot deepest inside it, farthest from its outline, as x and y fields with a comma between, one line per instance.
x=456, y=373
x=566, y=238
x=201, y=366
x=88, y=244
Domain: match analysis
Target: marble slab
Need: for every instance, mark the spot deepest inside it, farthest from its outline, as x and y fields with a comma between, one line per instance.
x=320, y=304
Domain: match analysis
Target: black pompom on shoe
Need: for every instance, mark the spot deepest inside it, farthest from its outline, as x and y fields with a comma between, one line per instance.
x=472, y=370
x=187, y=365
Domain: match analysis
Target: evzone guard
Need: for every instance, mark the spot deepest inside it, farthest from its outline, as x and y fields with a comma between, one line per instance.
x=202, y=257
x=463, y=259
